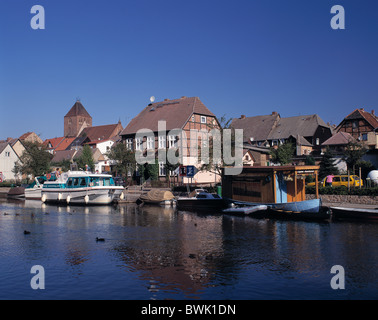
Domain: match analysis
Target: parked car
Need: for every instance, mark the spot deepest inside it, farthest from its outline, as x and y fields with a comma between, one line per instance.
x=341, y=181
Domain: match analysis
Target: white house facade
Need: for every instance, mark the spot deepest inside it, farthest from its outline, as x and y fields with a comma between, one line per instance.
x=8, y=158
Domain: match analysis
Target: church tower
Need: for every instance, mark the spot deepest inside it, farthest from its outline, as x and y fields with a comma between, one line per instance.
x=76, y=120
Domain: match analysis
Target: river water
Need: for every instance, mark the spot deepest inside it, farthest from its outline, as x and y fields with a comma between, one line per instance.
x=156, y=253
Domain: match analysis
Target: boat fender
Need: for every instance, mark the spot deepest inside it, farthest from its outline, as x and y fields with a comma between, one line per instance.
x=122, y=196
x=60, y=196
x=86, y=199
x=68, y=199
x=43, y=199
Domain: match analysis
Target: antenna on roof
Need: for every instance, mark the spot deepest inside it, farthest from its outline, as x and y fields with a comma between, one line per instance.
x=152, y=99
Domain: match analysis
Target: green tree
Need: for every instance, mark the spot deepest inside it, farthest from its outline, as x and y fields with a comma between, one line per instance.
x=283, y=154
x=353, y=152
x=35, y=160
x=64, y=164
x=124, y=158
x=327, y=165
x=86, y=158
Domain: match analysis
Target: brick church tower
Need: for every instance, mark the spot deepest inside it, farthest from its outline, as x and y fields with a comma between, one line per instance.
x=76, y=120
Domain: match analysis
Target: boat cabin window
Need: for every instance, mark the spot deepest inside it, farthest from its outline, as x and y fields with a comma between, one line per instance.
x=201, y=196
x=216, y=196
x=94, y=182
x=76, y=182
x=83, y=182
x=69, y=182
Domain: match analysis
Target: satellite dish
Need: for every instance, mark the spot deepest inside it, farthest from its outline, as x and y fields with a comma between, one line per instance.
x=152, y=99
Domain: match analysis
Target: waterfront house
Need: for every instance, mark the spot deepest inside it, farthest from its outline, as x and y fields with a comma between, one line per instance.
x=362, y=125
x=185, y=114
x=306, y=132
x=8, y=158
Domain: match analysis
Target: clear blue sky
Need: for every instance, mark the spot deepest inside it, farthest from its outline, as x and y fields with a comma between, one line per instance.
x=247, y=57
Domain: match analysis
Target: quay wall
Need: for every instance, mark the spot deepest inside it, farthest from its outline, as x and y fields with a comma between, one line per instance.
x=333, y=198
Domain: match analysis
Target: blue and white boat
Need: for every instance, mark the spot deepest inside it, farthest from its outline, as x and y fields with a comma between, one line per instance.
x=82, y=187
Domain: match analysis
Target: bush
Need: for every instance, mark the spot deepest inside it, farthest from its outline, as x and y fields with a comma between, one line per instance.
x=344, y=191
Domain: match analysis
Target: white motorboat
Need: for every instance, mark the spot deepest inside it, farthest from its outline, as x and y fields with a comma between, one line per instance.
x=82, y=187
x=34, y=190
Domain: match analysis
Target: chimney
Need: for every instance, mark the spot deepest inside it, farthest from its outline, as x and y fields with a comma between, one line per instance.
x=362, y=109
x=242, y=116
x=183, y=97
x=274, y=113
x=166, y=99
x=373, y=112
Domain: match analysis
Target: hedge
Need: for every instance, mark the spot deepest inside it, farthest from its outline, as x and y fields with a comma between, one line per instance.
x=344, y=191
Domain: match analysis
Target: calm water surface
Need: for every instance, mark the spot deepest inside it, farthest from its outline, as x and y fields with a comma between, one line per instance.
x=159, y=253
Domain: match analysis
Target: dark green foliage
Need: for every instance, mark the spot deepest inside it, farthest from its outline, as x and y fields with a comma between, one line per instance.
x=283, y=154
x=353, y=152
x=327, y=165
x=86, y=158
x=125, y=159
x=35, y=160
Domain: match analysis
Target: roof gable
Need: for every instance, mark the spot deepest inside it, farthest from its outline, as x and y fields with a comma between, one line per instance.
x=339, y=138
x=175, y=113
x=77, y=110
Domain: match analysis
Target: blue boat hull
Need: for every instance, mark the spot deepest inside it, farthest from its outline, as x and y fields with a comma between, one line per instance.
x=302, y=209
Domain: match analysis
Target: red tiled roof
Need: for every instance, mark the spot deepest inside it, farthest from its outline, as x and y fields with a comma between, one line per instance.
x=360, y=113
x=64, y=144
x=174, y=112
x=54, y=142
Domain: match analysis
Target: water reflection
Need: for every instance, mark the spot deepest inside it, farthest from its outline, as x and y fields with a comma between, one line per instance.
x=163, y=253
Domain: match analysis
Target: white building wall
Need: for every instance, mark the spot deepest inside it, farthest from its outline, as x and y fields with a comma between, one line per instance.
x=8, y=158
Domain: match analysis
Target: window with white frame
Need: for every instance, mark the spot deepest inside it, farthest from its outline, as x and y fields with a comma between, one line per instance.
x=203, y=119
x=172, y=143
x=138, y=144
x=150, y=143
x=129, y=144
x=162, y=170
x=162, y=142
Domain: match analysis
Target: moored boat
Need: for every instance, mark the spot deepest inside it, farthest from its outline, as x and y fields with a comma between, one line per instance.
x=245, y=209
x=82, y=187
x=34, y=190
x=354, y=213
x=16, y=193
x=201, y=201
x=157, y=197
